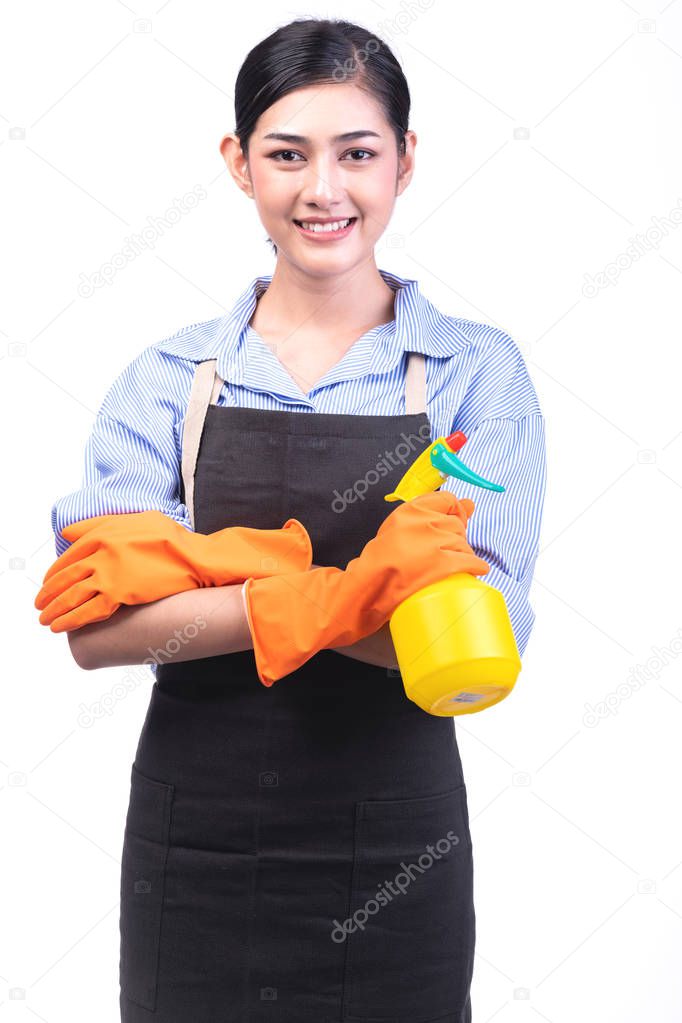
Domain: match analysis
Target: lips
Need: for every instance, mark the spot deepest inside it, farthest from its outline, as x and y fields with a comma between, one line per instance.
x=336, y=220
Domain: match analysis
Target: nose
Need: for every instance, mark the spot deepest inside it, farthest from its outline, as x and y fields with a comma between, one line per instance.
x=323, y=181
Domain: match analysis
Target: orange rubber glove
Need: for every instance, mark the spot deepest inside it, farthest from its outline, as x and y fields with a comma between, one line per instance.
x=140, y=557
x=292, y=617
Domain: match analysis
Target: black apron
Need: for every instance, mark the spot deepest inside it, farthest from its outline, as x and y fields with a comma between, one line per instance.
x=299, y=853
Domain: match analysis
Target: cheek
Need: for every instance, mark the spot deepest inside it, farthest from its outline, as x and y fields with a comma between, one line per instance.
x=378, y=194
x=270, y=188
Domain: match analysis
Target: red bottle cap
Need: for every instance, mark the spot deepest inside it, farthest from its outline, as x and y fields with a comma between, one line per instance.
x=456, y=440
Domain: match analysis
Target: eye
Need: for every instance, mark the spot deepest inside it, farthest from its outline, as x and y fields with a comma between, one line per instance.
x=282, y=152
x=273, y=156
x=361, y=151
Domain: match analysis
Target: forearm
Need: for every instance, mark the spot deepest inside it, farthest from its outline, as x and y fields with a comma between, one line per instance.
x=375, y=649
x=196, y=623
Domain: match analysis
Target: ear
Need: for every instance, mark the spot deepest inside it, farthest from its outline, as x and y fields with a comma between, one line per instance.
x=236, y=162
x=406, y=163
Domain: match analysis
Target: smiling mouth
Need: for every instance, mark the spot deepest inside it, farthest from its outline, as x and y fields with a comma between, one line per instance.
x=324, y=228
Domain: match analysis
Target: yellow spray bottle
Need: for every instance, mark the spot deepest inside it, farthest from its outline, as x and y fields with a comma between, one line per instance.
x=454, y=641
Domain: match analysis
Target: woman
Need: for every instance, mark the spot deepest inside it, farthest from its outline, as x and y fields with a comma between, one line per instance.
x=297, y=843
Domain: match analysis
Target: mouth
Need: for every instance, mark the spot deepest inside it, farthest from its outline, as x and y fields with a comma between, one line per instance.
x=326, y=232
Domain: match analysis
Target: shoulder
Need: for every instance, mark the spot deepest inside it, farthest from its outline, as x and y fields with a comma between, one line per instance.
x=192, y=343
x=495, y=380
x=164, y=370
x=485, y=341
x=473, y=341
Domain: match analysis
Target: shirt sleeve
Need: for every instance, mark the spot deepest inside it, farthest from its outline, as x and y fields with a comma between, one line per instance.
x=132, y=462
x=505, y=431
x=504, y=529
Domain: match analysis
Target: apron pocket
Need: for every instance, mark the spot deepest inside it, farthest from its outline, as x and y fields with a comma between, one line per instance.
x=411, y=929
x=143, y=871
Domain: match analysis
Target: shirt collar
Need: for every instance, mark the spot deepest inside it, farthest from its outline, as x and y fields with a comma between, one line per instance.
x=418, y=327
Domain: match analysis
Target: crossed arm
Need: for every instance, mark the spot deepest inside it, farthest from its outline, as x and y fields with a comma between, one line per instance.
x=207, y=622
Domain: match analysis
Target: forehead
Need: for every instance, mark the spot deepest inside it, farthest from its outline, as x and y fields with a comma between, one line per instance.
x=321, y=112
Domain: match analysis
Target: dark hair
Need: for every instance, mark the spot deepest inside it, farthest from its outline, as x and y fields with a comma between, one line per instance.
x=313, y=51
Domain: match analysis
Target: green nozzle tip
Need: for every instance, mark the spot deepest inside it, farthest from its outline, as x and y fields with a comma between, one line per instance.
x=449, y=464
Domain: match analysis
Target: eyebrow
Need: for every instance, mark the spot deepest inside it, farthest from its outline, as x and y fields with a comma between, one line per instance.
x=348, y=136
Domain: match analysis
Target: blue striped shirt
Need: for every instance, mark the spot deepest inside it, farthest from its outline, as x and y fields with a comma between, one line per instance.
x=476, y=381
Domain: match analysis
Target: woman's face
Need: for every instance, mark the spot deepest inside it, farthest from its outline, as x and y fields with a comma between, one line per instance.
x=317, y=177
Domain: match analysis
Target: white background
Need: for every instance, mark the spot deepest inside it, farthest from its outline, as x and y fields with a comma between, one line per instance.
x=575, y=816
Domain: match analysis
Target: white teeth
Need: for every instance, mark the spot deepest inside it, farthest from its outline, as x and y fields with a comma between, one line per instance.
x=335, y=225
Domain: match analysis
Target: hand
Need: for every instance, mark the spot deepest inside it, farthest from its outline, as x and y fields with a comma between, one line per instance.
x=140, y=557
x=438, y=502
x=395, y=524
x=292, y=617
x=421, y=542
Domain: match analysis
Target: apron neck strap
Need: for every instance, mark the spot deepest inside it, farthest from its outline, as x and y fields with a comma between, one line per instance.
x=206, y=387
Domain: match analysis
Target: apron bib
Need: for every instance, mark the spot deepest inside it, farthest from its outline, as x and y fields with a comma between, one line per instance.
x=300, y=853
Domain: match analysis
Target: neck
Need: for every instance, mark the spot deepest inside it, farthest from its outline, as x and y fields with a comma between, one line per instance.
x=336, y=306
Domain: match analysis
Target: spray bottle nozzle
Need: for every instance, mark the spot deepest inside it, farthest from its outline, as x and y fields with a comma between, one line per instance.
x=431, y=467
x=449, y=464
